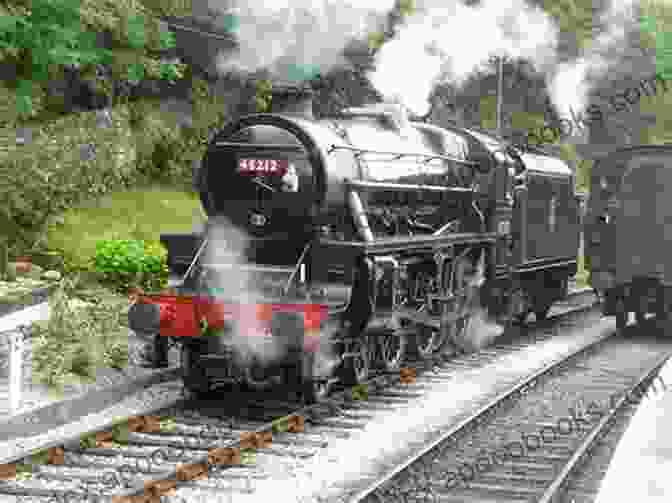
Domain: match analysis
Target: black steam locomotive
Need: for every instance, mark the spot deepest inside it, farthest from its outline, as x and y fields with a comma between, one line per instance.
x=386, y=226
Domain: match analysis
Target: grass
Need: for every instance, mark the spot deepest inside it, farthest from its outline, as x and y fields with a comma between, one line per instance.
x=143, y=214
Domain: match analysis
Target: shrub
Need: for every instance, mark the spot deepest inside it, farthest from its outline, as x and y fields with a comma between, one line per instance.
x=78, y=337
x=125, y=263
x=41, y=180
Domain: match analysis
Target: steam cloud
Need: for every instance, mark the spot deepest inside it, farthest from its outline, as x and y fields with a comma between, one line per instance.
x=439, y=44
x=296, y=39
x=571, y=83
x=236, y=285
x=445, y=41
x=481, y=330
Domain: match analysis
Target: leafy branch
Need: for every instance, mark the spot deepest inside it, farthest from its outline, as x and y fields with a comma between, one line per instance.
x=263, y=96
x=50, y=35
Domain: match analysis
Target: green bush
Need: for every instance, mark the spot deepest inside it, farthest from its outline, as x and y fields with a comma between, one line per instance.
x=78, y=339
x=124, y=263
x=165, y=151
x=41, y=180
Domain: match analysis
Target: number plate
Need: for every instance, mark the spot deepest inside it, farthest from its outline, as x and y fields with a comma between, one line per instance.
x=263, y=166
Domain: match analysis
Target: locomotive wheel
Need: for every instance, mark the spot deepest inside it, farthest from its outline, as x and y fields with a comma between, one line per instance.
x=392, y=350
x=193, y=375
x=257, y=378
x=313, y=388
x=426, y=341
x=362, y=362
x=358, y=367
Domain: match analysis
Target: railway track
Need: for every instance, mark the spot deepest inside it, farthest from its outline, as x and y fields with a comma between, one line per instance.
x=548, y=439
x=191, y=448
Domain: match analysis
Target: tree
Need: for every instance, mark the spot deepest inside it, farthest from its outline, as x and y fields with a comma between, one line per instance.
x=49, y=34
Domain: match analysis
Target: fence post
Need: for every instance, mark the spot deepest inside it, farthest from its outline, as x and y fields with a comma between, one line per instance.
x=16, y=347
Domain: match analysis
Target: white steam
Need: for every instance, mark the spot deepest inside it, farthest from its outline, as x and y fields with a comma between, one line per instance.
x=446, y=41
x=235, y=285
x=480, y=331
x=296, y=39
x=233, y=282
x=571, y=83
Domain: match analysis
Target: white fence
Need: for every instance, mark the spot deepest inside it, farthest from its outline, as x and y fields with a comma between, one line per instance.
x=13, y=330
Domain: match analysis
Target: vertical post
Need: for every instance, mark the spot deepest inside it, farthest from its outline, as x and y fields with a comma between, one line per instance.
x=16, y=346
x=500, y=91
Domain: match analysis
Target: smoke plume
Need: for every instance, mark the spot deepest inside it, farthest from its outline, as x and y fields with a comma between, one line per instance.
x=296, y=39
x=572, y=82
x=447, y=41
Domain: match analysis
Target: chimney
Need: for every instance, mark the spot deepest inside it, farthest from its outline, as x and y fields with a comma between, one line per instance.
x=295, y=100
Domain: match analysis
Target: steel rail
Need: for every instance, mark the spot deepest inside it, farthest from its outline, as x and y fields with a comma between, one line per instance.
x=554, y=491
x=476, y=416
x=175, y=476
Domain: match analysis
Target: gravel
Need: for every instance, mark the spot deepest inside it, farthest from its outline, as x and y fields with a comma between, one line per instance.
x=158, y=396
x=348, y=465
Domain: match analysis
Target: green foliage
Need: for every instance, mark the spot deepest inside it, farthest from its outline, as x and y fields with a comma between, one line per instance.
x=655, y=24
x=50, y=34
x=125, y=263
x=44, y=178
x=210, y=111
x=141, y=214
x=488, y=112
x=526, y=121
x=583, y=271
x=135, y=31
x=53, y=33
x=406, y=7
x=376, y=39
x=163, y=8
x=78, y=338
x=4, y=259
x=573, y=16
x=165, y=151
x=263, y=95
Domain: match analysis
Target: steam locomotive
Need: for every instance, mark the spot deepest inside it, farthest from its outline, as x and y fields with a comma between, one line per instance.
x=370, y=238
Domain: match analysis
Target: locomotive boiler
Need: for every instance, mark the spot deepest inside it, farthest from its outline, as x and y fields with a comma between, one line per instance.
x=368, y=236
x=626, y=232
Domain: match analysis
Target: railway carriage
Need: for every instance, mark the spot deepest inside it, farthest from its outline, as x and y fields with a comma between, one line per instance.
x=378, y=231
x=629, y=232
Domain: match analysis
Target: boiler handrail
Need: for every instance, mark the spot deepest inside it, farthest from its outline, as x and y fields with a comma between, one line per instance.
x=399, y=155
